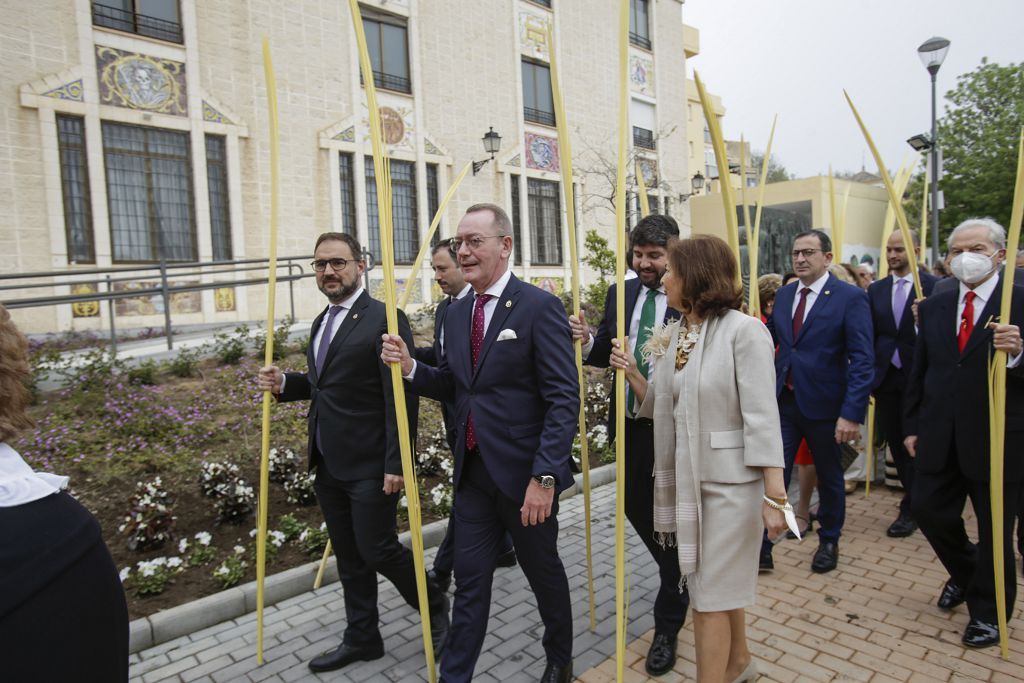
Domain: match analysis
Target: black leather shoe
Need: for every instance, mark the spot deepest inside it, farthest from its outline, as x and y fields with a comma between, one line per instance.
x=766, y=564
x=441, y=579
x=980, y=634
x=344, y=655
x=557, y=673
x=439, y=624
x=952, y=595
x=902, y=527
x=662, y=655
x=825, y=557
x=508, y=558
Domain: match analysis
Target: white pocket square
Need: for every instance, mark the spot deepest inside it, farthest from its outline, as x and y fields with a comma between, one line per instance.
x=507, y=334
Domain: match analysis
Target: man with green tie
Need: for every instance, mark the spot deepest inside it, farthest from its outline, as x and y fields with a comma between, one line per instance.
x=647, y=307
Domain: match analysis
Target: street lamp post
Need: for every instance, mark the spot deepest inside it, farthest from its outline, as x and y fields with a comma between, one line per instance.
x=932, y=53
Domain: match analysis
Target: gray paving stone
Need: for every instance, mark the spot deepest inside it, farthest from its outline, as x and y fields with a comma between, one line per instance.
x=272, y=667
x=166, y=672
x=206, y=668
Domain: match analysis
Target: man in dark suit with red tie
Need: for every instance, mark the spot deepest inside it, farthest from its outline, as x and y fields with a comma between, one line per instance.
x=648, y=307
x=509, y=367
x=892, y=318
x=824, y=365
x=353, y=445
x=947, y=423
x=448, y=277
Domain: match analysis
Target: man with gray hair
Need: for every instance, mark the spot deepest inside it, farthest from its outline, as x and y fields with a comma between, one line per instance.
x=947, y=423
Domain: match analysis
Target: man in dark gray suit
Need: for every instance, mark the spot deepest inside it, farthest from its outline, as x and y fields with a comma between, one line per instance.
x=353, y=445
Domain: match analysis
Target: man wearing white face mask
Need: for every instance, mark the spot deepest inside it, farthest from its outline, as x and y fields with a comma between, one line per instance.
x=947, y=420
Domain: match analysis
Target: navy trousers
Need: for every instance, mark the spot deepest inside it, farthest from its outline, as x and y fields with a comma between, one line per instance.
x=483, y=515
x=889, y=414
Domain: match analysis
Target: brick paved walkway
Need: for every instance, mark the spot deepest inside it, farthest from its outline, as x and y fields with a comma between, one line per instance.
x=873, y=619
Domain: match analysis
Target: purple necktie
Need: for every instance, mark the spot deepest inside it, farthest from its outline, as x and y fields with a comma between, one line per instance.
x=325, y=338
x=476, y=340
x=899, y=302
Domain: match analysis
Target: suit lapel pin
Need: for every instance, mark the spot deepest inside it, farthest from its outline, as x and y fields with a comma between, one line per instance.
x=827, y=292
x=355, y=316
x=508, y=304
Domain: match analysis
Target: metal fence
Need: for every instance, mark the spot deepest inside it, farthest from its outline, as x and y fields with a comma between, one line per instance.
x=104, y=280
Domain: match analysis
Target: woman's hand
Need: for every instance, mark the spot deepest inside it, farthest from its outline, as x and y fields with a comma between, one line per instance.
x=624, y=360
x=774, y=521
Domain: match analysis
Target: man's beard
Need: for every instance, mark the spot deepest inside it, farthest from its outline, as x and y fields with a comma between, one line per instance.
x=645, y=276
x=345, y=292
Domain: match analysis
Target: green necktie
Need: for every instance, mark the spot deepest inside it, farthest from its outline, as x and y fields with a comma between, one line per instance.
x=643, y=333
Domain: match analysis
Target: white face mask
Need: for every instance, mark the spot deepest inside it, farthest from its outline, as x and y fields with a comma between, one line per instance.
x=971, y=268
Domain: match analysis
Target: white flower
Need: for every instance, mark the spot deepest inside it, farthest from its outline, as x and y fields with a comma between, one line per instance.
x=221, y=570
x=239, y=550
x=277, y=538
x=204, y=538
x=124, y=574
x=159, y=561
x=304, y=535
x=174, y=562
x=403, y=502
x=183, y=546
x=252, y=534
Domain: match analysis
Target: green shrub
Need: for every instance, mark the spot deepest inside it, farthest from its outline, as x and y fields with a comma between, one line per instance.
x=229, y=348
x=144, y=373
x=185, y=363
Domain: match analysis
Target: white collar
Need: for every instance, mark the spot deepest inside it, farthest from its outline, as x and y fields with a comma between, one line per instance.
x=464, y=292
x=815, y=286
x=19, y=484
x=498, y=287
x=983, y=291
x=347, y=303
x=909, y=277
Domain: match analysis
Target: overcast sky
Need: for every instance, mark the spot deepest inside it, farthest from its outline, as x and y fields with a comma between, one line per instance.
x=794, y=57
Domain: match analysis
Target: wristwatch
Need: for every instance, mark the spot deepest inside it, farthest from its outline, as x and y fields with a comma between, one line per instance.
x=546, y=481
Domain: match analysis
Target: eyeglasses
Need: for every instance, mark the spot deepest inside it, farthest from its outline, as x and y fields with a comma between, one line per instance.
x=473, y=243
x=806, y=253
x=337, y=264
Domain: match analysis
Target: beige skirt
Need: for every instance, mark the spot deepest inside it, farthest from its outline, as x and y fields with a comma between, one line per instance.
x=731, y=531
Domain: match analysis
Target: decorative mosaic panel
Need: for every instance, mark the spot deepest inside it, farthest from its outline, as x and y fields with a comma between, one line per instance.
x=533, y=35
x=135, y=81
x=430, y=148
x=555, y=285
x=85, y=309
x=377, y=290
x=181, y=302
x=641, y=74
x=397, y=120
x=69, y=91
x=650, y=170
x=347, y=135
x=210, y=113
x=514, y=161
x=224, y=299
x=542, y=152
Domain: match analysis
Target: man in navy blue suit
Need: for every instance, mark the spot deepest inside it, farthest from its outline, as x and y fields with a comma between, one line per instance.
x=892, y=318
x=648, y=306
x=824, y=366
x=947, y=423
x=510, y=370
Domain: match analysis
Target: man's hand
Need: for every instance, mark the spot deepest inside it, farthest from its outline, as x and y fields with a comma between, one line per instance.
x=393, y=483
x=269, y=379
x=846, y=430
x=579, y=327
x=537, y=504
x=1006, y=338
x=910, y=443
x=395, y=351
x=913, y=307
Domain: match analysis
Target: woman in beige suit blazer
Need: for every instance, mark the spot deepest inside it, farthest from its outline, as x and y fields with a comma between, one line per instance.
x=718, y=446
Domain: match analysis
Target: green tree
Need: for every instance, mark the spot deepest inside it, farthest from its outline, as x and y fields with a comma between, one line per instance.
x=776, y=171
x=978, y=135
x=599, y=256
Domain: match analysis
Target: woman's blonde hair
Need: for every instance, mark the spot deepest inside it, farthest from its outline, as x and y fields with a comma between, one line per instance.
x=14, y=377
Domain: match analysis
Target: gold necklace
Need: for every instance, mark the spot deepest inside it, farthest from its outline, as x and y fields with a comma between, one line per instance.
x=688, y=338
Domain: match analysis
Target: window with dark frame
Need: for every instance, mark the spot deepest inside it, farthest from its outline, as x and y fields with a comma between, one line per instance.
x=545, y=222
x=542, y=3
x=149, y=193
x=639, y=26
x=159, y=19
x=217, y=187
x=538, y=105
x=643, y=138
x=517, y=232
x=74, y=180
x=403, y=211
x=653, y=204
x=432, y=201
x=387, y=40
x=348, y=194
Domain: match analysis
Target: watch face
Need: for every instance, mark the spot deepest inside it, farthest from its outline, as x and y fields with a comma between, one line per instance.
x=546, y=481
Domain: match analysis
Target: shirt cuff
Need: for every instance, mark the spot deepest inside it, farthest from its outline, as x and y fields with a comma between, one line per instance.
x=284, y=378
x=412, y=373
x=588, y=347
x=1014, y=361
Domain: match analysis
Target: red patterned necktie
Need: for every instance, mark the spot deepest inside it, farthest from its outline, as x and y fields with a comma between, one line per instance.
x=798, y=324
x=476, y=340
x=966, y=321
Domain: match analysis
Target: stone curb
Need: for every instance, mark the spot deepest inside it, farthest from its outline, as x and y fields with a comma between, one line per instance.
x=234, y=602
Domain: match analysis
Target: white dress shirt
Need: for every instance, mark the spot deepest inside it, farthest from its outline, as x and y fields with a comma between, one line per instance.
x=907, y=289
x=983, y=293
x=660, y=308
x=812, y=295
x=346, y=306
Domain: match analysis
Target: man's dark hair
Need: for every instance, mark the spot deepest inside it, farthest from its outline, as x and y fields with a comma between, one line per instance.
x=823, y=239
x=351, y=241
x=654, y=231
x=444, y=245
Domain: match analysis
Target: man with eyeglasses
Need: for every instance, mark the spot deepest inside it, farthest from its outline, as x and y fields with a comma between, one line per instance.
x=449, y=279
x=353, y=445
x=510, y=370
x=824, y=367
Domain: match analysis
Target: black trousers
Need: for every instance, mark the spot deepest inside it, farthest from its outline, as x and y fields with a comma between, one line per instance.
x=889, y=416
x=670, y=605
x=361, y=523
x=939, y=499
x=484, y=515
